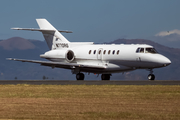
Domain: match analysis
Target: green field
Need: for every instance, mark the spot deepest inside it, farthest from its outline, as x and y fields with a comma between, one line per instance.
x=100, y=102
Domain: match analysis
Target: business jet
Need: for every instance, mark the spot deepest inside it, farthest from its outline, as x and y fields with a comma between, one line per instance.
x=87, y=57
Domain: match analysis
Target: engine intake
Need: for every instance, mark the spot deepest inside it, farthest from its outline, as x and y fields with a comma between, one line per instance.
x=70, y=56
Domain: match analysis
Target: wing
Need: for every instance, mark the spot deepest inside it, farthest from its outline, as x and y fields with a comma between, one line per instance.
x=60, y=64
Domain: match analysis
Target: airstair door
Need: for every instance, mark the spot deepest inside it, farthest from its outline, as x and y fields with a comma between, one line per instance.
x=100, y=54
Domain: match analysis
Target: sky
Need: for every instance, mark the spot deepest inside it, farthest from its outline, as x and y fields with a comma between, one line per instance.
x=96, y=21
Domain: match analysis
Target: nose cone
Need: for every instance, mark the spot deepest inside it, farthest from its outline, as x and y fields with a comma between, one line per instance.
x=160, y=60
x=156, y=61
x=163, y=61
x=166, y=61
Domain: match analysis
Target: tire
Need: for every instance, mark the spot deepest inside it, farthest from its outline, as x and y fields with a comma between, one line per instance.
x=80, y=76
x=105, y=76
x=151, y=77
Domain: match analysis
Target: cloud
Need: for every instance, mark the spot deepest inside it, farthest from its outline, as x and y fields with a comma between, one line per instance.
x=167, y=33
x=171, y=36
x=168, y=38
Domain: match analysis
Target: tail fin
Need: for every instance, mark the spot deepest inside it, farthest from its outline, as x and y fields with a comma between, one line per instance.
x=51, y=34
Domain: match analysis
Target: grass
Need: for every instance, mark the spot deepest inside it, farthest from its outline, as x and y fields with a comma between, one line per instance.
x=89, y=102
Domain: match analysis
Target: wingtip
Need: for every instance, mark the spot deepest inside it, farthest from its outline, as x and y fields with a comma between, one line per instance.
x=10, y=59
x=15, y=28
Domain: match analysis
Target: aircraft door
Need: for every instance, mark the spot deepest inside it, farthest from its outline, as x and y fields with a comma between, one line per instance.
x=99, y=54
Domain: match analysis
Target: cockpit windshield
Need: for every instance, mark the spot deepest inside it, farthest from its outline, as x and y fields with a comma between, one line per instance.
x=146, y=50
x=140, y=50
x=150, y=50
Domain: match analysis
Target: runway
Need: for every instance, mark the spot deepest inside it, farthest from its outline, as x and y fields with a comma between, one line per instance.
x=88, y=82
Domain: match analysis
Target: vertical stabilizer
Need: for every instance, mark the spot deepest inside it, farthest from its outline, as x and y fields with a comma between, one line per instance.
x=51, y=34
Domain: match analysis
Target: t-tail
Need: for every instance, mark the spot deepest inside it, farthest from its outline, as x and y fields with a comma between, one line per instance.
x=52, y=36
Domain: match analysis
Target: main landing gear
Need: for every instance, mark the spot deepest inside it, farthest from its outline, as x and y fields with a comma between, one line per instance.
x=105, y=76
x=151, y=76
x=80, y=76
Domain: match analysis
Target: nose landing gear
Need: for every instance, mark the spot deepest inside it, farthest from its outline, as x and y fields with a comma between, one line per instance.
x=151, y=76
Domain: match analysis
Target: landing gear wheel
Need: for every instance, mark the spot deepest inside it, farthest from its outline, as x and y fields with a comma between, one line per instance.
x=151, y=76
x=105, y=76
x=80, y=76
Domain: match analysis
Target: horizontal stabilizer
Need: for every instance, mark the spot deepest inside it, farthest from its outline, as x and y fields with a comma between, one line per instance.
x=41, y=30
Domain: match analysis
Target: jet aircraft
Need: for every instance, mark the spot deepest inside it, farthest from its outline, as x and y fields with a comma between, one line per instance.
x=87, y=57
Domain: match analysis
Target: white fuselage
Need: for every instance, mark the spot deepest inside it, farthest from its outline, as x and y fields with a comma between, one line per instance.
x=87, y=57
x=115, y=58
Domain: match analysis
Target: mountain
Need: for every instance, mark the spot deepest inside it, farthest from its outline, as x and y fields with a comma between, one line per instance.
x=17, y=47
x=16, y=43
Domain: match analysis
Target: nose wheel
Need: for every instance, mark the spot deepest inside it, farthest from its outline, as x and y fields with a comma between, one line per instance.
x=80, y=76
x=151, y=76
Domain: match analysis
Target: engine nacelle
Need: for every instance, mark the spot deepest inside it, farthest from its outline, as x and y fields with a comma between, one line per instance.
x=59, y=55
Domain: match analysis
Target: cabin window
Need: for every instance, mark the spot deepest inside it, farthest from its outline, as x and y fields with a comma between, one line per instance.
x=109, y=51
x=89, y=51
x=94, y=51
x=151, y=50
x=117, y=52
x=99, y=51
x=104, y=52
x=113, y=52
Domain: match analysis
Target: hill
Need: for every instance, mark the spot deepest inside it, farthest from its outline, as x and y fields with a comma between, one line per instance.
x=16, y=43
x=17, y=47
